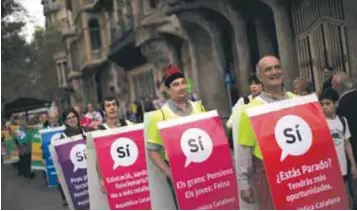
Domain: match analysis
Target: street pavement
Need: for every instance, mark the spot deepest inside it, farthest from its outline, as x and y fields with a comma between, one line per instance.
x=18, y=193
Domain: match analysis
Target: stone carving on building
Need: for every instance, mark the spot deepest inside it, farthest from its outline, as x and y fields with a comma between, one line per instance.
x=158, y=53
x=127, y=14
x=118, y=84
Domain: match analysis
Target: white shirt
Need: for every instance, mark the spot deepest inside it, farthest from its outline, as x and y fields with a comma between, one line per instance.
x=235, y=109
x=94, y=115
x=339, y=140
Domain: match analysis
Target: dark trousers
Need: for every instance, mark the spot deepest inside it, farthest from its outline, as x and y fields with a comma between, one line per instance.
x=24, y=165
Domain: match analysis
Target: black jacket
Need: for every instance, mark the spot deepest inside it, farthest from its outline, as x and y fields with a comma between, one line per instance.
x=347, y=107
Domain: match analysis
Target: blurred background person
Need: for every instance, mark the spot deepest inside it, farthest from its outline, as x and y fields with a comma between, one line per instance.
x=301, y=86
x=53, y=119
x=255, y=88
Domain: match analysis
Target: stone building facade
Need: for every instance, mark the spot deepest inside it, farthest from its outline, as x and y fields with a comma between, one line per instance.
x=56, y=17
x=208, y=39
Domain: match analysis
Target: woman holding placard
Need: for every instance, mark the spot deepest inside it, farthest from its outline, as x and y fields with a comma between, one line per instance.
x=71, y=121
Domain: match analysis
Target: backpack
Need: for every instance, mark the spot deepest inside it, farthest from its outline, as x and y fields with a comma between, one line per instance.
x=246, y=99
x=342, y=119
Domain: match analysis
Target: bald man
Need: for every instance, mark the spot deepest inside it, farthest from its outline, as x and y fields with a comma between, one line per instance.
x=301, y=86
x=53, y=119
x=250, y=159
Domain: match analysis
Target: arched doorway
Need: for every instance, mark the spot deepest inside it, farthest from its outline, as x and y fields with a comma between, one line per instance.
x=209, y=62
x=229, y=54
x=212, y=55
x=261, y=30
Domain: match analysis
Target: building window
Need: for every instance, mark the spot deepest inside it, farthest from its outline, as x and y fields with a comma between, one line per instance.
x=94, y=32
x=65, y=67
x=154, y=4
x=144, y=85
x=75, y=56
x=59, y=74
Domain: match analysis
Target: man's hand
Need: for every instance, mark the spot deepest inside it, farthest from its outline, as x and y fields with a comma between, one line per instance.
x=102, y=187
x=169, y=175
x=247, y=196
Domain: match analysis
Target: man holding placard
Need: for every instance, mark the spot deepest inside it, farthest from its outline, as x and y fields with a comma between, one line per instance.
x=177, y=106
x=110, y=108
x=289, y=134
x=120, y=163
x=270, y=74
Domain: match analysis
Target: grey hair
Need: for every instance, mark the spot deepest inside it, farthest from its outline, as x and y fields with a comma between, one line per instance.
x=258, y=68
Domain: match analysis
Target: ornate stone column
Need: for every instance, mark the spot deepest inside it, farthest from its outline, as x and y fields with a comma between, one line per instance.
x=285, y=37
x=350, y=8
x=58, y=70
x=243, y=68
x=265, y=45
x=63, y=71
x=159, y=53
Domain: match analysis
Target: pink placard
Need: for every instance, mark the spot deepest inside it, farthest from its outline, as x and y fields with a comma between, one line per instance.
x=122, y=164
x=299, y=155
x=201, y=162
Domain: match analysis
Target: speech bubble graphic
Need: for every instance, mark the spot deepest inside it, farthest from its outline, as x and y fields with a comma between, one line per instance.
x=196, y=145
x=124, y=152
x=56, y=137
x=78, y=157
x=293, y=135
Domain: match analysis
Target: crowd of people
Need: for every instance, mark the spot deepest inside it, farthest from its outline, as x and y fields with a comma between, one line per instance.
x=338, y=99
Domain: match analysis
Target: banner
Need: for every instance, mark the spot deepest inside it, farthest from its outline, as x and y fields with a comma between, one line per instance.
x=200, y=161
x=122, y=166
x=299, y=155
x=71, y=155
x=97, y=198
x=37, y=162
x=12, y=153
x=47, y=136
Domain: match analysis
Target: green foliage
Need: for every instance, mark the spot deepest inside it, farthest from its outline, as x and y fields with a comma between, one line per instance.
x=11, y=8
x=14, y=49
x=45, y=44
x=28, y=69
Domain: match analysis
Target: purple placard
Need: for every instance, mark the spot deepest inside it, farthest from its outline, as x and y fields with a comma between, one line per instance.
x=72, y=158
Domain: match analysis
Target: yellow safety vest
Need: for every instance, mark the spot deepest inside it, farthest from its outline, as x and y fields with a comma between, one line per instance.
x=152, y=134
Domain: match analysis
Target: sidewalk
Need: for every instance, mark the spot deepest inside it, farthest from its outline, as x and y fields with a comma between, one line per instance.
x=18, y=193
